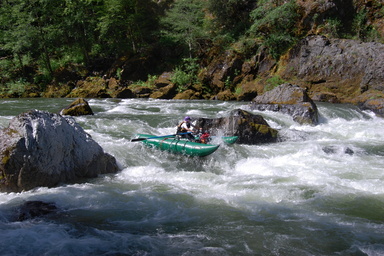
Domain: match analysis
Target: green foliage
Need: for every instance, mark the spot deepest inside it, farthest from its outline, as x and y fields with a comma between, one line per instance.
x=39, y=36
x=16, y=87
x=186, y=74
x=363, y=29
x=231, y=17
x=149, y=83
x=54, y=33
x=184, y=23
x=331, y=27
x=278, y=43
x=273, y=82
x=274, y=25
x=270, y=18
x=126, y=25
x=238, y=90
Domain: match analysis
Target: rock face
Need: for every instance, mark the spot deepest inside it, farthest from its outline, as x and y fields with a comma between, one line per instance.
x=289, y=99
x=251, y=129
x=79, y=107
x=344, y=68
x=44, y=149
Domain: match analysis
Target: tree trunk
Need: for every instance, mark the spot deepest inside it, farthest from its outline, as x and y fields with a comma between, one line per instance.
x=46, y=58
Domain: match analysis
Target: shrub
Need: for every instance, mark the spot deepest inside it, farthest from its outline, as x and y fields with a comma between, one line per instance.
x=273, y=24
x=186, y=74
x=273, y=82
x=331, y=27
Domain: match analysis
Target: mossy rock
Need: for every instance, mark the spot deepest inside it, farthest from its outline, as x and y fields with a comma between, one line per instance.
x=79, y=107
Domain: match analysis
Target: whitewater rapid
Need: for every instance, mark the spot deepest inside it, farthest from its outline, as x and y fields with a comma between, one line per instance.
x=318, y=191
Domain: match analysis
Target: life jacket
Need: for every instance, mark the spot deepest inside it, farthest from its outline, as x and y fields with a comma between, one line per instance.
x=181, y=129
x=205, y=138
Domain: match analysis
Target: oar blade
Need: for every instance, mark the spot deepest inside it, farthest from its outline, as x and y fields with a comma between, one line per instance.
x=138, y=139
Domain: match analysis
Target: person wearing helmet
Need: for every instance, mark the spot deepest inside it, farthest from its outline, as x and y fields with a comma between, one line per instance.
x=186, y=126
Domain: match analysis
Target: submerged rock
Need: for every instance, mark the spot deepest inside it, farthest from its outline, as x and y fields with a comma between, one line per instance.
x=288, y=99
x=34, y=209
x=335, y=149
x=79, y=107
x=251, y=129
x=43, y=149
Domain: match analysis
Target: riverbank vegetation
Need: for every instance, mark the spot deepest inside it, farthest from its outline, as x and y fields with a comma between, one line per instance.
x=45, y=43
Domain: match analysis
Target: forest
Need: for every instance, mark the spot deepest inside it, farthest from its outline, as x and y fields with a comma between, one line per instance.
x=41, y=38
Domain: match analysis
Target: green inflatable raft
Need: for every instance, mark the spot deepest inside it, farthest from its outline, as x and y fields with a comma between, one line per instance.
x=174, y=144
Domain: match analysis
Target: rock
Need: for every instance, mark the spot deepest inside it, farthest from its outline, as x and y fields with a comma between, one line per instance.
x=343, y=67
x=163, y=80
x=79, y=107
x=251, y=129
x=44, y=149
x=325, y=97
x=335, y=149
x=375, y=105
x=92, y=87
x=141, y=91
x=246, y=91
x=167, y=92
x=226, y=95
x=289, y=99
x=125, y=93
x=222, y=68
x=113, y=84
x=187, y=95
x=34, y=209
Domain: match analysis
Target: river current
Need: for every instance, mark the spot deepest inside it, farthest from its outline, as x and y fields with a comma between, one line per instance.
x=318, y=191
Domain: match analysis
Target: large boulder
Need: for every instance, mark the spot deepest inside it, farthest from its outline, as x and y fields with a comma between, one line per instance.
x=222, y=69
x=92, y=87
x=226, y=95
x=251, y=129
x=79, y=107
x=289, y=99
x=341, y=67
x=375, y=105
x=166, y=92
x=44, y=149
x=125, y=93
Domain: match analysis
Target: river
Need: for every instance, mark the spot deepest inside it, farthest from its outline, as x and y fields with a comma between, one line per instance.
x=319, y=191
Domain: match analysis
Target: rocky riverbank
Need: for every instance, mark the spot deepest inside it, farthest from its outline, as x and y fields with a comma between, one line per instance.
x=330, y=70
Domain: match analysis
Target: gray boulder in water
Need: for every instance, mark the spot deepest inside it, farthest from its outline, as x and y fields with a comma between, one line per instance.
x=288, y=99
x=43, y=149
x=79, y=107
x=251, y=129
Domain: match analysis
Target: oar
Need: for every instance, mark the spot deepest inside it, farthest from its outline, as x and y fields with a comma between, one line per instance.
x=155, y=137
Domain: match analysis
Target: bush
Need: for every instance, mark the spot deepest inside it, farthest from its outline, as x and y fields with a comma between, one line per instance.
x=278, y=43
x=363, y=29
x=186, y=74
x=331, y=27
x=273, y=82
x=16, y=87
x=273, y=24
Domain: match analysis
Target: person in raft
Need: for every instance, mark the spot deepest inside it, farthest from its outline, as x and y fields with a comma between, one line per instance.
x=186, y=126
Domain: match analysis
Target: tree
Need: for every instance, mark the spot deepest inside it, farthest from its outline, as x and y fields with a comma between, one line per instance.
x=80, y=21
x=184, y=23
x=231, y=16
x=126, y=25
x=273, y=22
x=32, y=28
x=17, y=33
